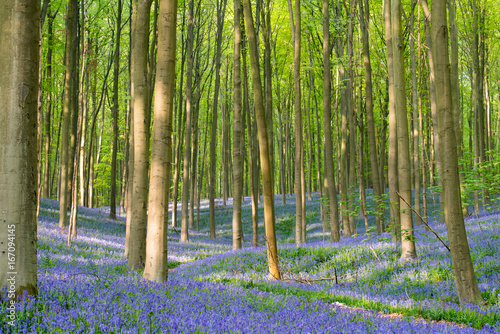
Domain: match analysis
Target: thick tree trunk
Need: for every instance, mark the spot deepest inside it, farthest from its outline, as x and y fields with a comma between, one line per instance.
x=156, y=268
x=465, y=279
x=140, y=98
x=268, y=191
x=19, y=64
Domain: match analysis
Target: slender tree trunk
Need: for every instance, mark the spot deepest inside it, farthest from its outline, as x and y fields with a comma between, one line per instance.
x=330, y=186
x=237, y=132
x=465, y=279
x=70, y=103
x=372, y=141
x=295, y=22
x=140, y=98
x=187, y=138
x=19, y=65
x=352, y=126
x=252, y=147
x=414, y=103
x=221, y=9
x=269, y=219
x=112, y=209
x=408, y=250
x=159, y=185
x=47, y=189
x=392, y=165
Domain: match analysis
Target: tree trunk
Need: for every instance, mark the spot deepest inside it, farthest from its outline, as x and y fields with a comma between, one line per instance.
x=114, y=111
x=269, y=219
x=69, y=109
x=295, y=22
x=408, y=250
x=465, y=279
x=161, y=154
x=370, y=121
x=187, y=138
x=221, y=8
x=392, y=165
x=414, y=103
x=140, y=98
x=237, y=132
x=19, y=64
x=330, y=186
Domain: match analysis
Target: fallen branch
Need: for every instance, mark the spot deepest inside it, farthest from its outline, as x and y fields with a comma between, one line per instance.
x=423, y=221
x=374, y=253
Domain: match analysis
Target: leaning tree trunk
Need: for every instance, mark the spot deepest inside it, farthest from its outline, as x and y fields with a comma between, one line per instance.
x=161, y=154
x=465, y=279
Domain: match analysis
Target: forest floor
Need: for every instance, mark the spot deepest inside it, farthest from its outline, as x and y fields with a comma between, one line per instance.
x=358, y=285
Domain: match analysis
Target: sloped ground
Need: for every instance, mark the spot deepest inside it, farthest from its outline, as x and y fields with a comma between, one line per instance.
x=355, y=286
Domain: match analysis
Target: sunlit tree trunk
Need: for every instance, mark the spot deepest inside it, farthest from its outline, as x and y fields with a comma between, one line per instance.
x=140, y=98
x=268, y=191
x=19, y=64
x=156, y=268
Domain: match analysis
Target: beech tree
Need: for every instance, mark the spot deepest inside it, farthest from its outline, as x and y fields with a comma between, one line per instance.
x=268, y=191
x=465, y=279
x=156, y=266
x=19, y=62
x=140, y=97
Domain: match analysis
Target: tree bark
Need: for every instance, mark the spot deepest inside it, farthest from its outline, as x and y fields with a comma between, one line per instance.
x=408, y=250
x=69, y=109
x=465, y=279
x=237, y=132
x=140, y=98
x=330, y=186
x=187, y=138
x=268, y=191
x=114, y=111
x=370, y=121
x=156, y=268
x=392, y=165
x=19, y=64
